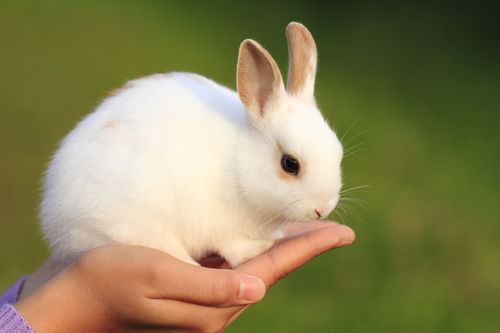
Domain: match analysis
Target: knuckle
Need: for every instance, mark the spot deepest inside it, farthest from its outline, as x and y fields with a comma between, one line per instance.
x=152, y=274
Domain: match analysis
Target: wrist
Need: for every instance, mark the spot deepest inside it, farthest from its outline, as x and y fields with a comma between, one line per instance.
x=61, y=305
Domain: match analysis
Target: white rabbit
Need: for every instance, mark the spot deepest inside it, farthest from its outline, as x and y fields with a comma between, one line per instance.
x=182, y=164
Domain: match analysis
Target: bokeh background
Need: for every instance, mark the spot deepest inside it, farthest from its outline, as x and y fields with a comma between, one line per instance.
x=413, y=89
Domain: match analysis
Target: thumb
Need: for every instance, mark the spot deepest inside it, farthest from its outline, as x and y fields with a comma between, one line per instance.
x=224, y=287
x=206, y=286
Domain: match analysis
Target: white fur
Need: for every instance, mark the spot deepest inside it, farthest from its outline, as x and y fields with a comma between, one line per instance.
x=174, y=162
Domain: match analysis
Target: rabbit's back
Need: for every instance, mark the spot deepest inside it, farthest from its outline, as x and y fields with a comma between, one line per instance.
x=148, y=154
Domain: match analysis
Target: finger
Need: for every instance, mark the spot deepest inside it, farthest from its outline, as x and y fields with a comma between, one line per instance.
x=295, y=252
x=298, y=228
x=183, y=316
x=170, y=278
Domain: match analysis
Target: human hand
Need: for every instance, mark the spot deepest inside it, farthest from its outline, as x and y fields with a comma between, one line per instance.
x=130, y=288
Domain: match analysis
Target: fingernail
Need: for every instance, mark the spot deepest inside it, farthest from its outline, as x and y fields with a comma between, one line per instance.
x=252, y=289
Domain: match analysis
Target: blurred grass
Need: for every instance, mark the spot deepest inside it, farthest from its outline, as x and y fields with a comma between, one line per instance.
x=421, y=82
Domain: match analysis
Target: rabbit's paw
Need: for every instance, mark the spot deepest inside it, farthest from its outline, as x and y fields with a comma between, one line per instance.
x=239, y=250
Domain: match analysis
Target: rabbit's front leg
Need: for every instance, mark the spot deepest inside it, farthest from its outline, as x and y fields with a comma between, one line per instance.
x=237, y=250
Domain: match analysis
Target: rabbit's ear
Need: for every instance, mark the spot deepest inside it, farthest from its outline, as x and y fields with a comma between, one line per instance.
x=258, y=78
x=302, y=62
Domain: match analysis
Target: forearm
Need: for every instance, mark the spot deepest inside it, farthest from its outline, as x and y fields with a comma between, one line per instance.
x=62, y=305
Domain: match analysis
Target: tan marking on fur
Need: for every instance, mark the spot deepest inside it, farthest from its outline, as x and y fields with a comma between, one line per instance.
x=285, y=176
x=116, y=91
x=111, y=124
x=282, y=174
x=258, y=76
x=302, y=62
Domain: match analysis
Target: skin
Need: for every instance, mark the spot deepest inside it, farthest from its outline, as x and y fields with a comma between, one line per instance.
x=137, y=289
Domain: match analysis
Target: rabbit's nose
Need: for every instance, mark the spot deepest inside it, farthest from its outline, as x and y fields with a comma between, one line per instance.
x=325, y=209
x=321, y=212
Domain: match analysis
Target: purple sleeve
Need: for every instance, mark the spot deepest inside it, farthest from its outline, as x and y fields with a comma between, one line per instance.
x=10, y=320
x=11, y=295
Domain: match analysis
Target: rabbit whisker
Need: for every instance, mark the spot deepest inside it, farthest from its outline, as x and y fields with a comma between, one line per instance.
x=357, y=135
x=354, y=188
x=350, y=127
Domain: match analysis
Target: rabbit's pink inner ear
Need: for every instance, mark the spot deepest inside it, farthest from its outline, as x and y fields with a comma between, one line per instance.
x=259, y=81
x=302, y=62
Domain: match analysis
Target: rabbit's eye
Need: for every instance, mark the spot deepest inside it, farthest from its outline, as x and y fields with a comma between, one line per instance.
x=290, y=164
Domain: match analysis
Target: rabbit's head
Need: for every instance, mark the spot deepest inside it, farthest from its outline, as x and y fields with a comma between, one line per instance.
x=289, y=166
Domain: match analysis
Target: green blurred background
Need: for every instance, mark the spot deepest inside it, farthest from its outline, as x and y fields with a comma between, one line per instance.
x=418, y=86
